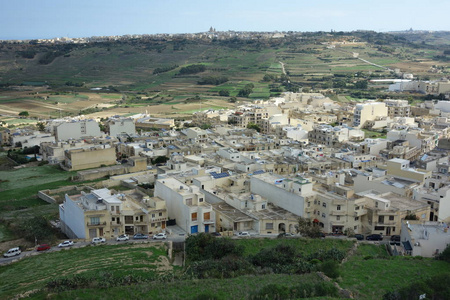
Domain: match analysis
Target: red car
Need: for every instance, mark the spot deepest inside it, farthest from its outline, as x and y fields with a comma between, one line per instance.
x=43, y=247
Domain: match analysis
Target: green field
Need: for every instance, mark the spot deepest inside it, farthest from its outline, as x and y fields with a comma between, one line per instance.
x=371, y=278
x=252, y=246
x=140, y=260
x=369, y=273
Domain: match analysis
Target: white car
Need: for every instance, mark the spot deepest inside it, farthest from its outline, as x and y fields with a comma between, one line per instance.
x=12, y=252
x=123, y=237
x=98, y=240
x=65, y=244
x=160, y=236
x=243, y=234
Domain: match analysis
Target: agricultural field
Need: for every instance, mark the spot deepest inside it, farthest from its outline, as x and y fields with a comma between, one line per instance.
x=144, y=271
x=117, y=261
x=371, y=272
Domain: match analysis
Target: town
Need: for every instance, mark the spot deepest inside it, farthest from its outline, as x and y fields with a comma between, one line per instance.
x=375, y=169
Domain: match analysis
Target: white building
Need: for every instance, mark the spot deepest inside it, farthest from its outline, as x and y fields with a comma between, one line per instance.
x=187, y=205
x=369, y=111
x=289, y=194
x=76, y=130
x=120, y=126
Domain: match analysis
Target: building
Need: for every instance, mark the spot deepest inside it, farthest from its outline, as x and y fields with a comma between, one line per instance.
x=101, y=213
x=289, y=194
x=368, y=111
x=76, y=130
x=187, y=205
x=398, y=108
x=383, y=213
x=120, y=126
x=427, y=239
x=86, y=158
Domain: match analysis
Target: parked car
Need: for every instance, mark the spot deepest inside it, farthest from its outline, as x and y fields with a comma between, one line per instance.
x=215, y=233
x=123, y=237
x=395, y=239
x=160, y=236
x=243, y=234
x=140, y=236
x=286, y=234
x=374, y=237
x=98, y=240
x=12, y=252
x=43, y=247
x=359, y=237
x=65, y=244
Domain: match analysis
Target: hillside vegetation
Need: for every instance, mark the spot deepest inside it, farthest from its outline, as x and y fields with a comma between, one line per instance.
x=142, y=271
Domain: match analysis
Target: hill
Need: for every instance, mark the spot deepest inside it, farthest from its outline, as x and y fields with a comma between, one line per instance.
x=142, y=270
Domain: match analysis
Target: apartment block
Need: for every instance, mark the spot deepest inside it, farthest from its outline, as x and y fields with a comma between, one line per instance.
x=186, y=204
x=102, y=213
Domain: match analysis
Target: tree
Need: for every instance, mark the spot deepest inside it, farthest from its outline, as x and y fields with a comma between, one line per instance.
x=308, y=229
x=24, y=114
x=40, y=126
x=254, y=126
x=224, y=93
x=411, y=216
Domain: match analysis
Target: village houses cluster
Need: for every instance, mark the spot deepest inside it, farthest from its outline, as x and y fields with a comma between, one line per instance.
x=377, y=167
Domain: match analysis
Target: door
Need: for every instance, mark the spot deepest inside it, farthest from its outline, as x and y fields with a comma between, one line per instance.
x=206, y=228
x=194, y=229
x=388, y=230
x=92, y=233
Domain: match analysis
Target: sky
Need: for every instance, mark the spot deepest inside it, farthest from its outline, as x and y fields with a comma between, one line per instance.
x=31, y=19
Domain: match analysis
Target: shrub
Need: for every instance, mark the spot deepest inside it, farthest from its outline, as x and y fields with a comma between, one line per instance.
x=330, y=268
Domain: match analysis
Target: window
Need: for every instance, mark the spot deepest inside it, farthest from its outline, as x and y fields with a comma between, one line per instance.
x=207, y=216
x=95, y=221
x=379, y=227
x=309, y=204
x=355, y=227
x=356, y=218
x=200, y=200
x=318, y=213
x=318, y=202
x=338, y=207
x=391, y=218
x=357, y=208
x=324, y=215
x=338, y=218
x=194, y=216
x=324, y=204
x=160, y=214
x=269, y=226
x=153, y=224
x=153, y=215
x=263, y=206
x=112, y=207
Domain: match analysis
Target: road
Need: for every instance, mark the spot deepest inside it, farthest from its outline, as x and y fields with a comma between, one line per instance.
x=3, y=260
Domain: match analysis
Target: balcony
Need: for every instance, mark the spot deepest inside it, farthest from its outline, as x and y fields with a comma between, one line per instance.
x=96, y=224
x=360, y=212
x=386, y=223
x=339, y=202
x=338, y=213
x=309, y=209
x=334, y=223
x=114, y=224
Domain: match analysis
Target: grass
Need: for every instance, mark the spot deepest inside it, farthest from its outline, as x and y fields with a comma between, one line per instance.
x=374, y=134
x=252, y=246
x=119, y=260
x=372, y=278
x=221, y=289
x=369, y=273
x=5, y=233
x=19, y=187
